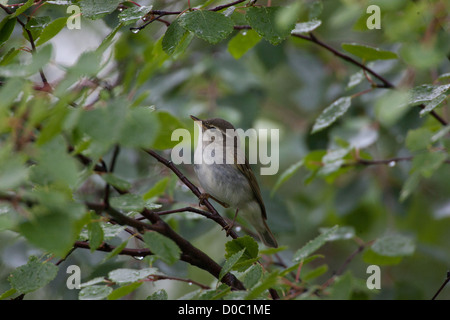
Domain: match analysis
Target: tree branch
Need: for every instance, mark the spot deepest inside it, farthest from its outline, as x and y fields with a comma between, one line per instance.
x=391, y=161
x=442, y=286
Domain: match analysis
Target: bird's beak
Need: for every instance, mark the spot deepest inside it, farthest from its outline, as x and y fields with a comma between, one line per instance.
x=202, y=125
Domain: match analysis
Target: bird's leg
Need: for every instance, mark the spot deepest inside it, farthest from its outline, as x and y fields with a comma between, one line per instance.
x=230, y=226
x=206, y=196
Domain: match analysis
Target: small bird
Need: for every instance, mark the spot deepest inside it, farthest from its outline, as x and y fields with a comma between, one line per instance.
x=231, y=184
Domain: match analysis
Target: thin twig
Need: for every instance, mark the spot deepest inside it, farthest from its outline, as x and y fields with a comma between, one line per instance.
x=108, y=248
x=184, y=209
x=442, y=286
x=218, y=8
x=346, y=263
x=391, y=161
x=146, y=24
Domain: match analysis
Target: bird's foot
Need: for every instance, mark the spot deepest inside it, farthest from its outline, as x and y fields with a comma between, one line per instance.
x=229, y=227
x=206, y=196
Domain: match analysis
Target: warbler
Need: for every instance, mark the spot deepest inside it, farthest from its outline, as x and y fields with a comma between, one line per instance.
x=226, y=176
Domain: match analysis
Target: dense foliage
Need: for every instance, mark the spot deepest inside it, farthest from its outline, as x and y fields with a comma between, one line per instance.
x=91, y=91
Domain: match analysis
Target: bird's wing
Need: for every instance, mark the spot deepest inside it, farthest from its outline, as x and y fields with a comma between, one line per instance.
x=248, y=173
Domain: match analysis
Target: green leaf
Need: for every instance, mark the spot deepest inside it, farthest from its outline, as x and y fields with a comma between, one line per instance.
x=40, y=58
x=250, y=254
x=125, y=275
x=116, y=182
x=22, y=9
x=294, y=267
x=314, y=245
x=96, y=9
x=436, y=102
x=316, y=272
x=428, y=163
x=95, y=292
x=51, y=30
x=332, y=113
x=242, y=42
x=164, y=248
x=371, y=257
x=158, y=189
x=111, y=230
x=333, y=161
x=394, y=246
x=93, y=281
x=423, y=55
x=426, y=93
x=342, y=233
x=53, y=231
x=288, y=15
x=158, y=295
x=286, y=175
x=156, y=57
x=440, y=134
x=13, y=171
x=96, y=235
x=7, y=294
x=128, y=202
x=174, y=37
x=391, y=107
x=410, y=185
x=252, y=276
x=54, y=165
x=167, y=124
x=123, y=291
x=8, y=216
x=88, y=64
x=108, y=40
x=208, y=25
x=263, y=21
x=444, y=76
x=215, y=294
x=9, y=56
x=6, y=28
x=33, y=275
x=355, y=79
x=104, y=124
x=116, y=250
x=35, y=25
x=315, y=9
x=132, y=15
x=230, y=262
x=306, y=27
x=269, y=280
x=140, y=128
x=10, y=91
x=418, y=139
x=342, y=287
x=368, y=53
x=54, y=124
x=236, y=245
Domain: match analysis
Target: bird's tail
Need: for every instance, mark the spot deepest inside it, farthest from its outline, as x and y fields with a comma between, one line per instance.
x=267, y=237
